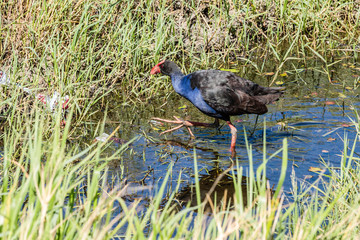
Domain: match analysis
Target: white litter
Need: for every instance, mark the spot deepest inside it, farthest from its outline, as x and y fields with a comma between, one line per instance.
x=50, y=101
x=102, y=137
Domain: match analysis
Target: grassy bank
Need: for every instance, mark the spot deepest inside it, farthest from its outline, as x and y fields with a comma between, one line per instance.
x=54, y=184
x=92, y=45
x=52, y=189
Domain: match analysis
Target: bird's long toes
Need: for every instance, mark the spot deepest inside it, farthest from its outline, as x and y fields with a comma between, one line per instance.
x=166, y=120
x=172, y=129
x=190, y=132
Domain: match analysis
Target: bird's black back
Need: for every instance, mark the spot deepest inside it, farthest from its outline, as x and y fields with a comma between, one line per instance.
x=230, y=94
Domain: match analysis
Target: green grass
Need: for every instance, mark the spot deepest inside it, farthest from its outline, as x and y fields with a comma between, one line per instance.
x=54, y=186
x=89, y=46
x=51, y=190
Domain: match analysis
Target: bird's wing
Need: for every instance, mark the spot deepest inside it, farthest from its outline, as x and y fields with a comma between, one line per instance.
x=264, y=95
x=230, y=102
x=219, y=92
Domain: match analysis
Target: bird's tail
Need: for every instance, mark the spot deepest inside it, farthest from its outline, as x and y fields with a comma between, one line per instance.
x=270, y=94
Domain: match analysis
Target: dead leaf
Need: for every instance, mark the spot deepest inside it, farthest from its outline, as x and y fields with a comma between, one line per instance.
x=329, y=102
x=342, y=95
x=269, y=73
x=230, y=70
x=281, y=124
x=315, y=169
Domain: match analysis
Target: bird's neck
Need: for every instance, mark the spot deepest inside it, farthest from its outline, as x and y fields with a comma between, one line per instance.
x=180, y=83
x=176, y=76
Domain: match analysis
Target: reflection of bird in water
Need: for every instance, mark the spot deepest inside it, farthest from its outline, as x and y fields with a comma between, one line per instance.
x=190, y=146
x=217, y=185
x=218, y=94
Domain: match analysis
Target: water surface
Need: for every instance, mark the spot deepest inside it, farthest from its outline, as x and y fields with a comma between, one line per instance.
x=314, y=115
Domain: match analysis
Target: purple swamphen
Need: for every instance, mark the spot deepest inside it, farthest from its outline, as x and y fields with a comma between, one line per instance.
x=218, y=94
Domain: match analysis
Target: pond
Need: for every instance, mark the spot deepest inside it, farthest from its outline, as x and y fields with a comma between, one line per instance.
x=313, y=114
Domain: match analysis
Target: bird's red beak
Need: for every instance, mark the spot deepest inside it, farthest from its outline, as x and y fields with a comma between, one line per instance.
x=156, y=69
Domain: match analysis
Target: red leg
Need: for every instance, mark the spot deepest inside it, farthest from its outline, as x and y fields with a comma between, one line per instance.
x=233, y=138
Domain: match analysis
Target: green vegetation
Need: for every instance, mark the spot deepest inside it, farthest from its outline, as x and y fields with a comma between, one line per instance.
x=52, y=186
x=50, y=190
x=72, y=45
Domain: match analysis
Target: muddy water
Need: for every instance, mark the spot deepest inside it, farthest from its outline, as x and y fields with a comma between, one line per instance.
x=314, y=115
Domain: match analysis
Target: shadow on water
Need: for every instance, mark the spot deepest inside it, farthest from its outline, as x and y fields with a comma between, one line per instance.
x=217, y=190
x=313, y=114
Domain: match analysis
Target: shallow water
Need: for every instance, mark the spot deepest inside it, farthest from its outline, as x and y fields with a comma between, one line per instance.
x=313, y=115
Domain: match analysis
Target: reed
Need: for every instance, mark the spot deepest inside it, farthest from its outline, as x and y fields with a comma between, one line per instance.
x=100, y=45
x=53, y=187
